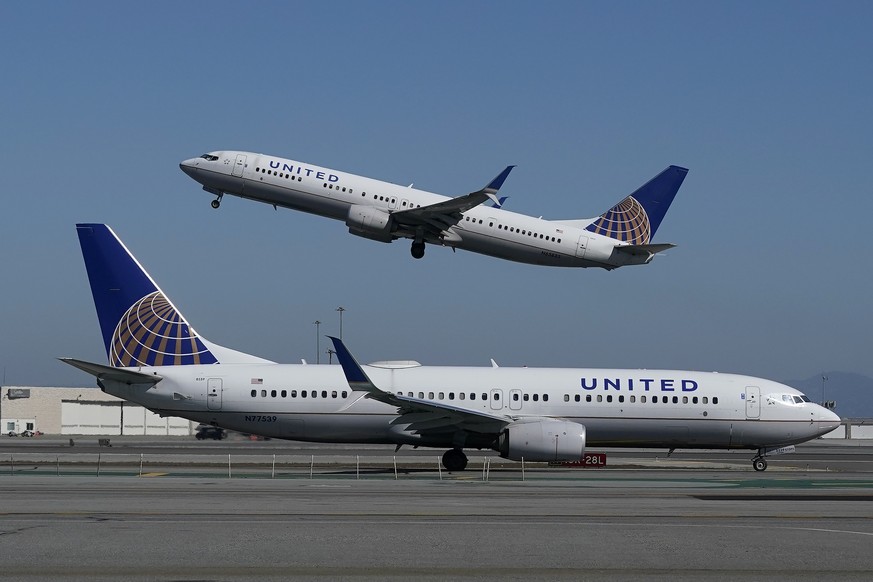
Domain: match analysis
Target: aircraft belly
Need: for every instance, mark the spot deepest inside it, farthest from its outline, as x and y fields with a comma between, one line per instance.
x=296, y=200
x=327, y=428
x=657, y=432
x=756, y=433
x=512, y=251
x=348, y=428
x=221, y=181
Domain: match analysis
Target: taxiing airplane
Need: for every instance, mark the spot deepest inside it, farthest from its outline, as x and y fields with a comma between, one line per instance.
x=384, y=212
x=158, y=361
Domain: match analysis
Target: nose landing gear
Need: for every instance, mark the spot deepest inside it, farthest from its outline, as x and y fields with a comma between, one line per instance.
x=217, y=202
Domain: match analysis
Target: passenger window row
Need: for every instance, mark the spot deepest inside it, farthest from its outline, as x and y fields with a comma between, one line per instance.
x=642, y=399
x=521, y=231
x=279, y=174
x=300, y=394
x=445, y=396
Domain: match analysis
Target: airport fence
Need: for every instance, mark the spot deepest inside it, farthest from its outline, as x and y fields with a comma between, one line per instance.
x=254, y=466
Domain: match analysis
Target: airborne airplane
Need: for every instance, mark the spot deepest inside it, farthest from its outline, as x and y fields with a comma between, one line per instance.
x=384, y=212
x=157, y=360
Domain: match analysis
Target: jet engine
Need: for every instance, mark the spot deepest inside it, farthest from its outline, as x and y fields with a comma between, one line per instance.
x=369, y=222
x=542, y=440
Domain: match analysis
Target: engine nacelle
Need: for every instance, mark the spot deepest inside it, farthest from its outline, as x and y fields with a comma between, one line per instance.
x=542, y=440
x=369, y=222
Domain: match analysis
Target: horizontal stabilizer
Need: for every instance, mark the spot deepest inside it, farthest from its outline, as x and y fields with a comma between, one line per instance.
x=102, y=372
x=649, y=249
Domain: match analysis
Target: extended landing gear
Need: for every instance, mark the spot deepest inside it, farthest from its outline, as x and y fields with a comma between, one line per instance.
x=417, y=250
x=217, y=202
x=759, y=463
x=454, y=460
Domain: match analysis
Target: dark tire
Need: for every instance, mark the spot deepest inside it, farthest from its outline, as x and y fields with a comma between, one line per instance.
x=216, y=204
x=454, y=460
x=759, y=464
x=417, y=250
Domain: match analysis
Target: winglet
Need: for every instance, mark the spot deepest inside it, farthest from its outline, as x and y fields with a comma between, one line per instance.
x=498, y=203
x=357, y=378
x=355, y=375
x=497, y=182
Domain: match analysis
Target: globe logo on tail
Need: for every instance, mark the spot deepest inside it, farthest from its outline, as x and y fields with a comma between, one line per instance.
x=153, y=333
x=627, y=221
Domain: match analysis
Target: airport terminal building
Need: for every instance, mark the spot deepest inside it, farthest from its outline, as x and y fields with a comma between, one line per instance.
x=81, y=411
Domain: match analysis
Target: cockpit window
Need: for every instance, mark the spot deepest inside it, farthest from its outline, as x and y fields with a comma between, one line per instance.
x=209, y=157
x=791, y=398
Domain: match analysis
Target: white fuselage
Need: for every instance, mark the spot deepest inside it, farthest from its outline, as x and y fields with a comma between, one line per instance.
x=331, y=193
x=637, y=408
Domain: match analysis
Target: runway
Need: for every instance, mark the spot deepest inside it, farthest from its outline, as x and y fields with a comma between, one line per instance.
x=628, y=521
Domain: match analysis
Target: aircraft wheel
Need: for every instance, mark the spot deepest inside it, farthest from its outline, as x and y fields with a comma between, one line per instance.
x=759, y=464
x=417, y=250
x=454, y=460
x=216, y=203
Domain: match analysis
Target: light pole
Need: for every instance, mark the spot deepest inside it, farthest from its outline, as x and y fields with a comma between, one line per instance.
x=823, y=380
x=341, y=309
x=317, y=342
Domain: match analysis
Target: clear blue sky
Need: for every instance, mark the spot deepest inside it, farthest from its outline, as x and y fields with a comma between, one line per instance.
x=768, y=104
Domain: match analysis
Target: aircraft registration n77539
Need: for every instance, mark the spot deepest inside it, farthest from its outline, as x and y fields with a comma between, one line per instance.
x=157, y=360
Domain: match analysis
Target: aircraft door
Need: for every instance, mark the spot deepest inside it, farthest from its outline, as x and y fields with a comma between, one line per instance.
x=213, y=393
x=515, y=399
x=753, y=402
x=496, y=399
x=239, y=165
x=581, y=246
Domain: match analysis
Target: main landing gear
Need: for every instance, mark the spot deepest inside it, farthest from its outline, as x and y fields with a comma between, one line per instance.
x=454, y=460
x=759, y=463
x=417, y=250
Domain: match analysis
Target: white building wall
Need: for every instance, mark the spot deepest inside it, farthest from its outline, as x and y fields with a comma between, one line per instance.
x=83, y=411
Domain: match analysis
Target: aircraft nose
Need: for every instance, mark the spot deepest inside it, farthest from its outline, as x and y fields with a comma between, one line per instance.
x=828, y=420
x=832, y=417
x=189, y=166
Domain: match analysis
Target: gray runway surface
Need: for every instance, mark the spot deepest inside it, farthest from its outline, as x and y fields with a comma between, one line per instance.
x=708, y=517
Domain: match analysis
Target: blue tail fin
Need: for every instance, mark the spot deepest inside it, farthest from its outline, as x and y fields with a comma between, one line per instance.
x=635, y=219
x=140, y=326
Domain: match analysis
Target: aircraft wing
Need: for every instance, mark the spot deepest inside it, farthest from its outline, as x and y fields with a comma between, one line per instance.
x=443, y=215
x=421, y=415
